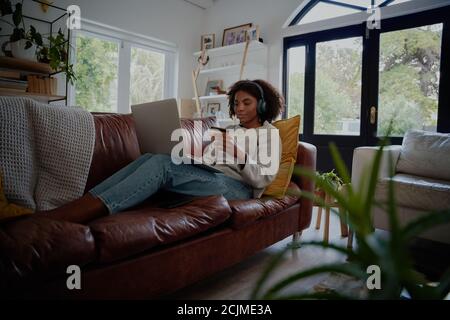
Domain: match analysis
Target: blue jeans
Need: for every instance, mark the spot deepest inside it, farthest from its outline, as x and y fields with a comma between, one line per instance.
x=150, y=172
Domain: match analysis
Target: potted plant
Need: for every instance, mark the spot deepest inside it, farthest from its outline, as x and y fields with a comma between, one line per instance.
x=331, y=179
x=23, y=42
x=398, y=276
x=30, y=45
x=56, y=55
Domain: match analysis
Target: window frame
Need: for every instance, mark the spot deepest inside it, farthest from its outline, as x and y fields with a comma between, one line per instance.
x=126, y=41
x=339, y=3
x=370, y=85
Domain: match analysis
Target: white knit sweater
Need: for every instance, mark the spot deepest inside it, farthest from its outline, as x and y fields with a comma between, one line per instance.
x=256, y=175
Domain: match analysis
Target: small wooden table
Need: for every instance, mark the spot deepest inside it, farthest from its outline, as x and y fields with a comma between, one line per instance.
x=328, y=199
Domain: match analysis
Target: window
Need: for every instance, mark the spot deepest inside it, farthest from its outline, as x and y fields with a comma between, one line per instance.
x=116, y=69
x=410, y=62
x=360, y=84
x=338, y=86
x=296, y=71
x=318, y=10
x=97, y=72
x=147, y=76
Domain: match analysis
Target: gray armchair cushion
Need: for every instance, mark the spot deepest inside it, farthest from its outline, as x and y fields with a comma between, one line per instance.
x=416, y=192
x=425, y=154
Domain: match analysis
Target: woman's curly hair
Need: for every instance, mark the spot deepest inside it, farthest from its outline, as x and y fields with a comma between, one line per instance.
x=274, y=100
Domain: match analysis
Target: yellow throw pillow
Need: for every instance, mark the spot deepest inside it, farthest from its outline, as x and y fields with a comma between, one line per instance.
x=279, y=186
x=289, y=130
x=9, y=210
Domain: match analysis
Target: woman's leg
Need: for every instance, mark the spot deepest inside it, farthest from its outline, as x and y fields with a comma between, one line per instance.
x=159, y=172
x=195, y=181
x=119, y=175
x=89, y=206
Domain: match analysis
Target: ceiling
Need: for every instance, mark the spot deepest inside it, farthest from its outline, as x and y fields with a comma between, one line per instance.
x=204, y=4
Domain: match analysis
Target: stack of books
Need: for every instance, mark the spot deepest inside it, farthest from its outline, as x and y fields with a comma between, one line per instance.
x=42, y=84
x=11, y=80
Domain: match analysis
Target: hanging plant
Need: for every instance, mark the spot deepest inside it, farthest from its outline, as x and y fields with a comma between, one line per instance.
x=57, y=56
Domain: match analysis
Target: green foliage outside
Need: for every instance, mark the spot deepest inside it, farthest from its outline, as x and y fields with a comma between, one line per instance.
x=147, y=76
x=97, y=73
x=409, y=82
x=96, y=70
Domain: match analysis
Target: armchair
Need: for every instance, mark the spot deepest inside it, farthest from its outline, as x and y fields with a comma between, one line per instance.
x=421, y=179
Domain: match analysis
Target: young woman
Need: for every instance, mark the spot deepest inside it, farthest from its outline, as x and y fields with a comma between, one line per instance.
x=255, y=103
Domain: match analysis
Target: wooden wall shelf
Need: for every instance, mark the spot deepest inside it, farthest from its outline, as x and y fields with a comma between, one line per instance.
x=6, y=92
x=25, y=65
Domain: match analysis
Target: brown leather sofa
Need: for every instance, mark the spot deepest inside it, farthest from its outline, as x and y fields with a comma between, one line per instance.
x=148, y=251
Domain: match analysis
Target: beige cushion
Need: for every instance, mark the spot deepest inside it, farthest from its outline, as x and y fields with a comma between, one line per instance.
x=425, y=154
x=416, y=192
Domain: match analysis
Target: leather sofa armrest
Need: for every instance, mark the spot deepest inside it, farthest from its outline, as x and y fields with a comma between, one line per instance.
x=363, y=159
x=306, y=158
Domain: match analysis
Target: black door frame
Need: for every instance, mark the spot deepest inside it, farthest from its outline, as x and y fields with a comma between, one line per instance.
x=370, y=74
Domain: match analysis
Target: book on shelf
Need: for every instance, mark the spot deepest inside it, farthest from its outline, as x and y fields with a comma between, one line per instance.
x=12, y=80
x=42, y=85
x=10, y=74
x=13, y=84
x=11, y=90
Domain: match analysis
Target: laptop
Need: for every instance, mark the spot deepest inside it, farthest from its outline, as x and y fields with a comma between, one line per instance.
x=155, y=122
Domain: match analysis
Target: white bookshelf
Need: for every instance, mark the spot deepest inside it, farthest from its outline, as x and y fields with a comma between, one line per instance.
x=233, y=49
x=250, y=68
x=225, y=64
x=217, y=97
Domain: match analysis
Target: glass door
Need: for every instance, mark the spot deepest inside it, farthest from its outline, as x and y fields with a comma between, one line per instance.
x=409, y=80
x=358, y=83
x=324, y=85
x=337, y=97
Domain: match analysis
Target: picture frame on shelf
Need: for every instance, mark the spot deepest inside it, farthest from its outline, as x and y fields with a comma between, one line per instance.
x=235, y=35
x=213, y=108
x=253, y=33
x=208, y=41
x=211, y=87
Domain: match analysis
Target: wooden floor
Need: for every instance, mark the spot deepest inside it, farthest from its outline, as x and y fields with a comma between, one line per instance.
x=237, y=282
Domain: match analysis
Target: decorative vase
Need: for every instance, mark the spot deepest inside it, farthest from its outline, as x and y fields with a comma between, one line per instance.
x=18, y=50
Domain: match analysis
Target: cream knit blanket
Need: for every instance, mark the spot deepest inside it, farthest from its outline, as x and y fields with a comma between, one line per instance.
x=45, y=152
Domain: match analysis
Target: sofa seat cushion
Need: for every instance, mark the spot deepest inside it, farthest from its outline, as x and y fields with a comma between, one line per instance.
x=416, y=192
x=246, y=212
x=36, y=247
x=127, y=233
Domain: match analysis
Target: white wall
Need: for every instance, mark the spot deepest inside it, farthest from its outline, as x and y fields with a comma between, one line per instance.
x=172, y=21
x=270, y=15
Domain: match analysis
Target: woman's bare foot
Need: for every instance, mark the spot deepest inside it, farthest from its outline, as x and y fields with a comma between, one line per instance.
x=82, y=210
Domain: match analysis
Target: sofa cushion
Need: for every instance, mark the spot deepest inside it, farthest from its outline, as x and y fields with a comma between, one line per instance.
x=37, y=247
x=116, y=145
x=416, y=192
x=124, y=234
x=425, y=154
x=246, y=212
x=289, y=130
x=10, y=210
